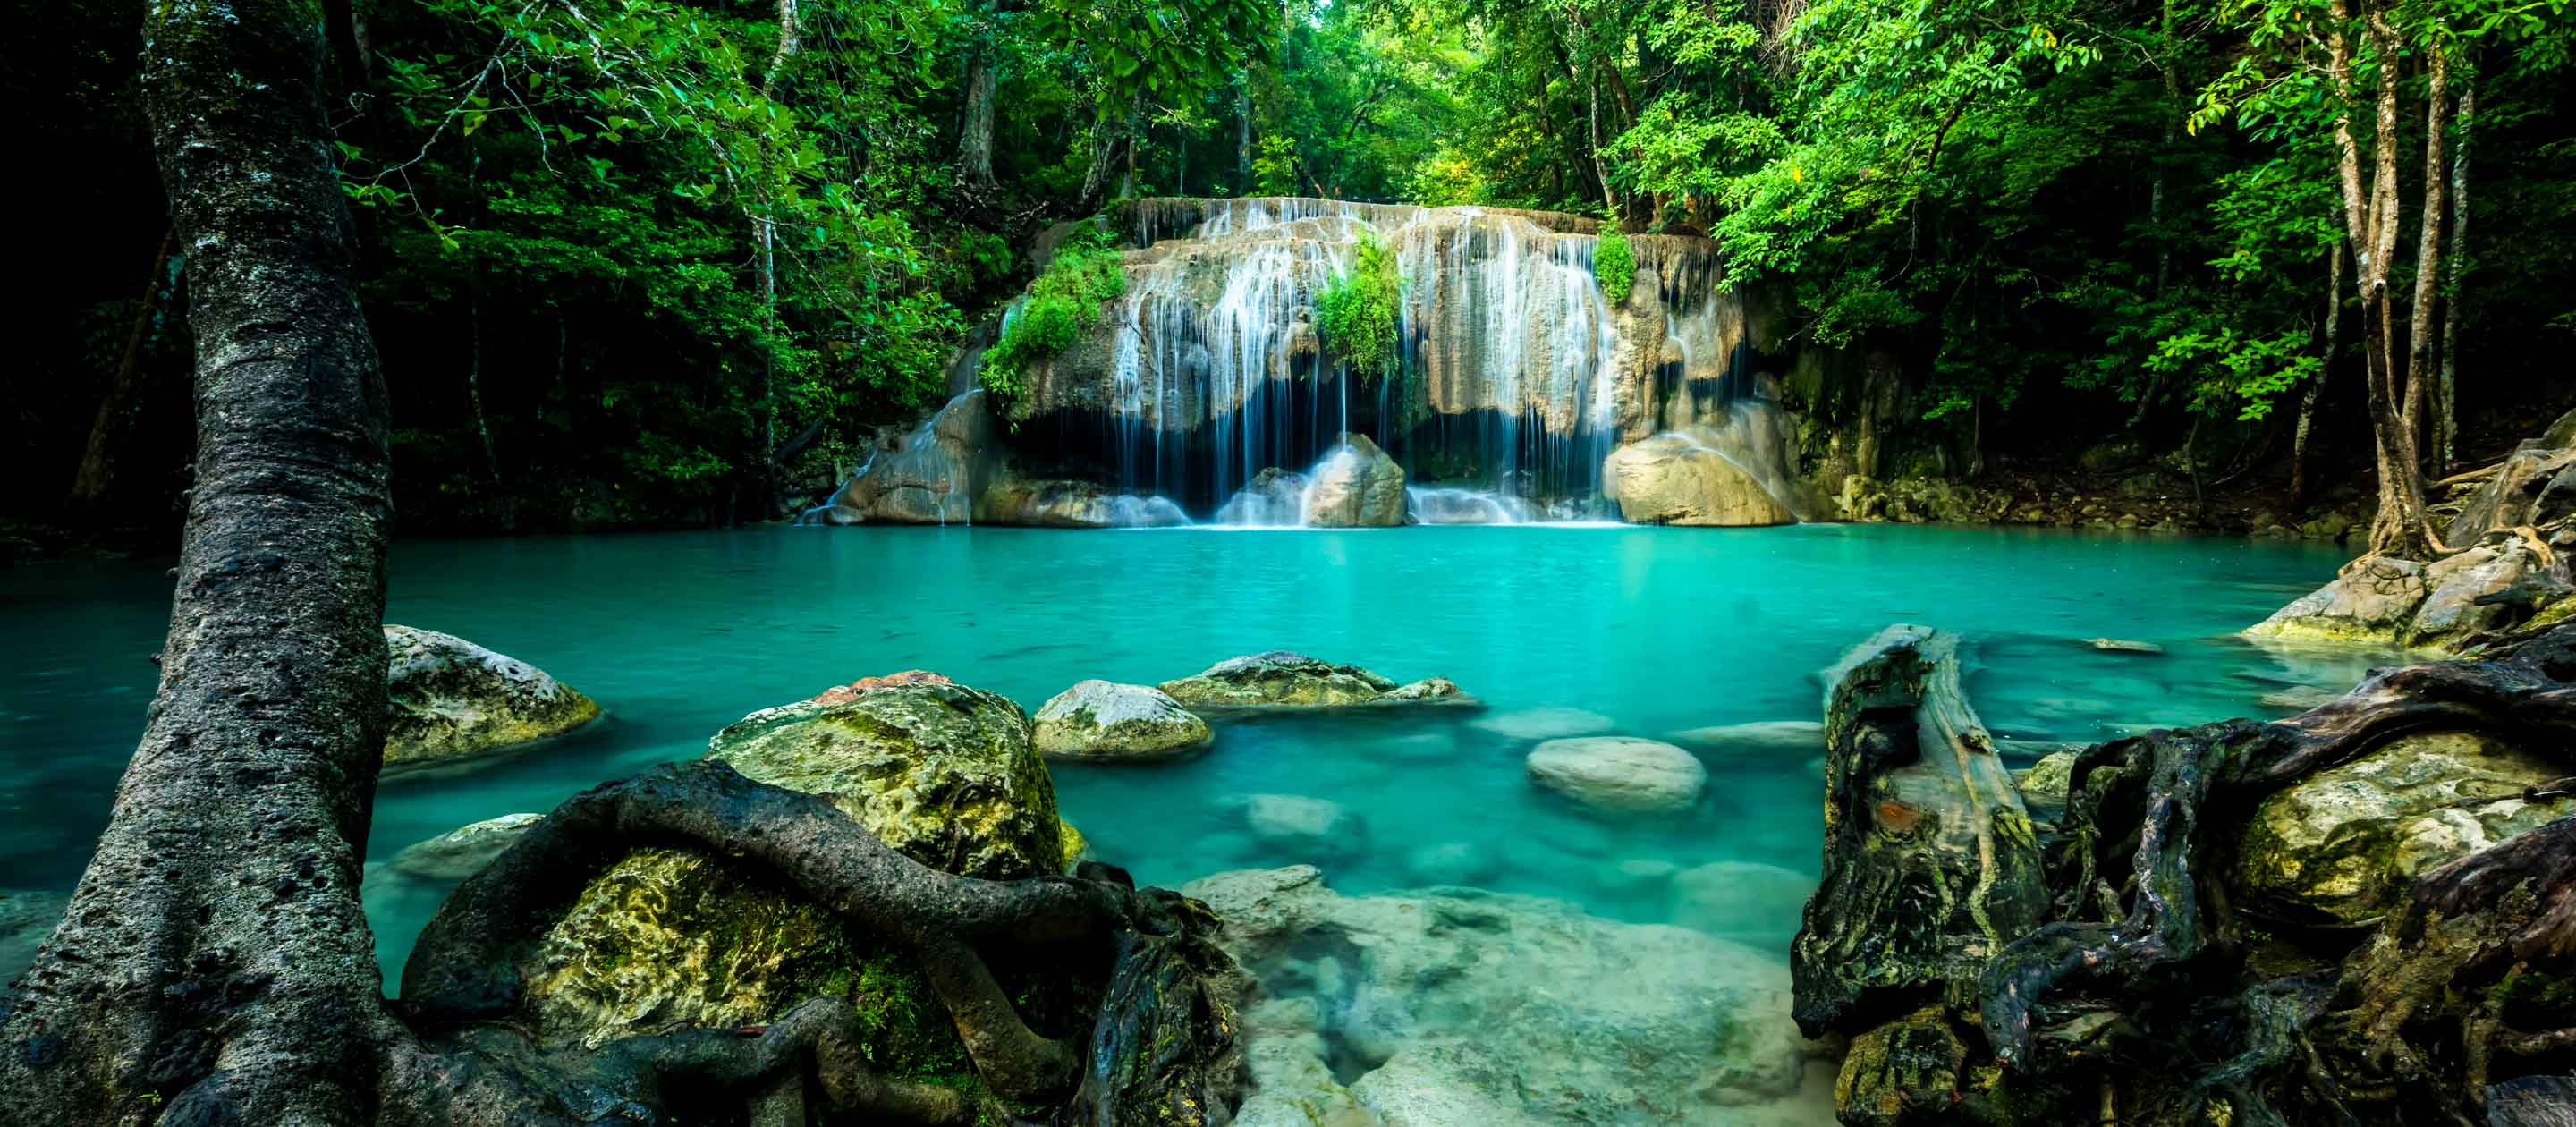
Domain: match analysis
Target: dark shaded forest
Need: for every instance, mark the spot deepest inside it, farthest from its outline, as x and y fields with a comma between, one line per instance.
x=675, y=264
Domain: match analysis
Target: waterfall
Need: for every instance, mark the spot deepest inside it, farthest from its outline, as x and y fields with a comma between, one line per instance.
x=1518, y=376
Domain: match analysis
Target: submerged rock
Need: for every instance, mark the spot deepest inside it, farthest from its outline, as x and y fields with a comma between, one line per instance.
x=1355, y=485
x=2340, y=847
x=1280, y=679
x=1104, y=722
x=1458, y=862
x=461, y=852
x=453, y=700
x=2124, y=646
x=1782, y=737
x=1619, y=773
x=1056, y=503
x=1299, y=826
x=1672, y=478
x=1741, y=900
x=943, y=773
x=1545, y=723
x=1460, y=1007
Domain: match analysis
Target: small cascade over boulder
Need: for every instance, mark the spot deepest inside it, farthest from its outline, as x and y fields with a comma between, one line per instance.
x=1355, y=486
x=955, y=469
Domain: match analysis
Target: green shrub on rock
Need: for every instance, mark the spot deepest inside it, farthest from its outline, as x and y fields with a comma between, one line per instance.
x=1357, y=314
x=1614, y=265
x=1064, y=300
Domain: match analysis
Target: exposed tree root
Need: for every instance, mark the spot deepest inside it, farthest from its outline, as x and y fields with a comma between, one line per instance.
x=2142, y=942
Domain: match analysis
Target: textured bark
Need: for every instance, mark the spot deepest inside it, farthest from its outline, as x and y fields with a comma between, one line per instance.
x=975, y=133
x=2420, y=332
x=214, y=965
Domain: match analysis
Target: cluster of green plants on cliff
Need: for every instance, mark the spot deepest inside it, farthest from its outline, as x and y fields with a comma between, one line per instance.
x=1357, y=314
x=1614, y=264
x=1065, y=300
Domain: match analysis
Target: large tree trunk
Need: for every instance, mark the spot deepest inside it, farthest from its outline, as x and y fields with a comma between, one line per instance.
x=214, y=966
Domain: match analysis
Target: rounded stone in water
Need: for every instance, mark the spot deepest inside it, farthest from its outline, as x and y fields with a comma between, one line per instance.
x=1098, y=721
x=1620, y=773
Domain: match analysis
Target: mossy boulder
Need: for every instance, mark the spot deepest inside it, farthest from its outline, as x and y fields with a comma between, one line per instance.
x=1356, y=486
x=2340, y=848
x=1677, y=478
x=1280, y=679
x=1099, y=721
x=453, y=700
x=942, y=772
x=667, y=939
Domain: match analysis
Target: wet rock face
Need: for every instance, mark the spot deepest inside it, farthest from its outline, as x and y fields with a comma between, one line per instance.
x=461, y=852
x=1274, y=498
x=2340, y=848
x=1280, y=679
x=453, y=700
x=1101, y=721
x=1356, y=486
x=1455, y=1007
x=943, y=773
x=1673, y=479
x=2441, y=605
x=666, y=939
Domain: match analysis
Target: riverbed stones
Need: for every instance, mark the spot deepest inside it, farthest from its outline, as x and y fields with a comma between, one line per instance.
x=1101, y=722
x=1281, y=679
x=1514, y=1009
x=2371, y=603
x=1456, y=862
x=2340, y=848
x=1671, y=478
x=461, y=852
x=1762, y=738
x=1355, y=486
x=943, y=773
x=1742, y=900
x=452, y=700
x=1545, y=723
x=1619, y=774
x=1301, y=826
x=2441, y=605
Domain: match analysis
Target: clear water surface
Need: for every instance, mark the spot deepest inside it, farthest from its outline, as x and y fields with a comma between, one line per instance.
x=1656, y=629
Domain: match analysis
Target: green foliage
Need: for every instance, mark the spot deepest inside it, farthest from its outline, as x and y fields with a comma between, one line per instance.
x=1357, y=314
x=1085, y=273
x=1614, y=264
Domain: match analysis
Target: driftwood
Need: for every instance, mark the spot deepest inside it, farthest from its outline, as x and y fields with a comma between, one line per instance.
x=1931, y=866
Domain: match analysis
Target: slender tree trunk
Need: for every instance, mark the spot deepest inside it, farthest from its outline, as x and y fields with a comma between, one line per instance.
x=1109, y=142
x=1601, y=167
x=2457, y=259
x=2428, y=248
x=2400, y=527
x=975, y=136
x=97, y=466
x=474, y=398
x=215, y=966
x=1243, y=138
x=2325, y=371
x=765, y=229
